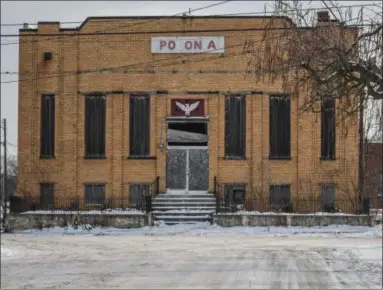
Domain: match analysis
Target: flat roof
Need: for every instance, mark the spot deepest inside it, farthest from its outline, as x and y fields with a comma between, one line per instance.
x=156, y=17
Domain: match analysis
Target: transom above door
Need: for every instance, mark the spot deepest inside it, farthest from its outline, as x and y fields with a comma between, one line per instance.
x=187, y=158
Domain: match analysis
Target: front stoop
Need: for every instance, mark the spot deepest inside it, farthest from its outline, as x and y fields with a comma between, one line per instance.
x=172, y=209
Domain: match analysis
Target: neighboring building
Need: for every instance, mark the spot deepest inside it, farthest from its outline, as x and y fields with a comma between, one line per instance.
x=104, y=114
x=373, y=177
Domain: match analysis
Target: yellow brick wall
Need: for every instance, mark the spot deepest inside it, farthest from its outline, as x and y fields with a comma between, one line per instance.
x=69, y=170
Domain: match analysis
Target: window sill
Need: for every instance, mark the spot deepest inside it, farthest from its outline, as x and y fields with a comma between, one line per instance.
x=234, y=158
x=327, y=159
x=47, y=157
x=280, y=158
x=142, y=157
x=94, y=157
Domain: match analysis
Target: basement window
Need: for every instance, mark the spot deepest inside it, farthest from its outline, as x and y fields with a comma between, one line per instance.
x=235, y=126
x=137, y=194
x=139, y=126
x=46, y=194
x=47, y=128
x=279, y=198
x=94, y=194
x=328, y=129
x=235, y=196
x=328, y=203
x=279, y=132
x=187, y=134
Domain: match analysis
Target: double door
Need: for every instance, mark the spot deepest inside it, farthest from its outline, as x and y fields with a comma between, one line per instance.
x=187, y=169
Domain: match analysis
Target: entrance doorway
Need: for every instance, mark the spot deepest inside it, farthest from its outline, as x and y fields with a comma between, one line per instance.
x=187, y=161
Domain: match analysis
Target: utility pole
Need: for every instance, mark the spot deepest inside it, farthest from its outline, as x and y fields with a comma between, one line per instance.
x=5, y=179
x=5, y=159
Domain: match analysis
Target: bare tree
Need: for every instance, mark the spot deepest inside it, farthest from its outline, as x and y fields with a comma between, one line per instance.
x=329, y=58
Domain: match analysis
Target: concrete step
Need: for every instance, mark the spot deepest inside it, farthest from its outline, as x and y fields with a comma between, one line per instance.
x=166, y=208
x=185, y=223
x=168, y=223
x=173, y=209
x=185, y=199
x=182, y=213
x=183, y=203
x=181, y=196
x=183, y=206
x=178, y=219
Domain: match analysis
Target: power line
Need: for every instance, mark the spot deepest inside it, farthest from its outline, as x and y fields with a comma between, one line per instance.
x=142, y=63
x=34, y=23
x=150, y=20
x=171, y=31
x=115, y=68
x=123, y=67
x=112, y=68
x=140, y=32
x=227, y=14
x=135, y=64
x=13, y=145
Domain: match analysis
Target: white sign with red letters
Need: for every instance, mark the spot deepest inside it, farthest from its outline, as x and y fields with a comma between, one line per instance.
x=188, y=44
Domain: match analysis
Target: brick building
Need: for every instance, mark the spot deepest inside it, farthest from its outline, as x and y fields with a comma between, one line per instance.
x=136, y=98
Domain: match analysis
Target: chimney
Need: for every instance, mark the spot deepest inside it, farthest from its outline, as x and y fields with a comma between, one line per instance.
x=25, y=26
x=323, y=16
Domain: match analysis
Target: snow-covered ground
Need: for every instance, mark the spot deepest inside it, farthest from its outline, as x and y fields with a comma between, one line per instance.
x=194, y=256
x=127, y=211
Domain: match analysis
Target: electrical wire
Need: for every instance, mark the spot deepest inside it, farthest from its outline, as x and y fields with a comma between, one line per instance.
x=173, y=31
x=149, y=20
x=227, y=14
x=135, y=64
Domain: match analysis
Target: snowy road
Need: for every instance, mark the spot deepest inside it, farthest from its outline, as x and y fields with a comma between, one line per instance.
x=195, y=259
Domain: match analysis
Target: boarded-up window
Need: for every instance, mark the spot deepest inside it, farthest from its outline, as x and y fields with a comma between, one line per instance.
x=139, y=126
x=235, y=196
x=328, y=129
x=235, y=126
x=137, y=194
x=328, y=197
x=95, y=114
x=46, y=194
x=279, y=135
x=279, y=197
x=47, y=133
x=94, y=193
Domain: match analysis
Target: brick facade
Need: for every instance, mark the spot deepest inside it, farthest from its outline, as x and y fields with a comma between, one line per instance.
x=175, y=74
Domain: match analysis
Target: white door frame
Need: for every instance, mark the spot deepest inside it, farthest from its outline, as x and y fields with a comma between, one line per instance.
x=186, y=190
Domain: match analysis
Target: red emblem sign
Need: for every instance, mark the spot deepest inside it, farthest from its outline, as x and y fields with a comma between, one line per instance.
x=188, y=107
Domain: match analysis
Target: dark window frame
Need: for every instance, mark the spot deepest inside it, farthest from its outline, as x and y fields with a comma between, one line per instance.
x=279, y=127
x=94, y=200
x=95, y=127
x=328, y=129
x=230, y=198
x=46, y=200
x=141, y=199
x=47, y=126
x=235, y=148
x=136, y=134
x=282, y=202
x=325, y=200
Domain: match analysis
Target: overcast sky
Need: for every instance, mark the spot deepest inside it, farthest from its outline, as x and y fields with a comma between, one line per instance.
x=65, y=11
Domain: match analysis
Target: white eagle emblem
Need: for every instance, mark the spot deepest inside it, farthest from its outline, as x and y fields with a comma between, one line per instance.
x=187, y=108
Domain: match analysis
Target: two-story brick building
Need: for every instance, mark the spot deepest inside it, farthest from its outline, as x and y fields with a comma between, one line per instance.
x=118, y=101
